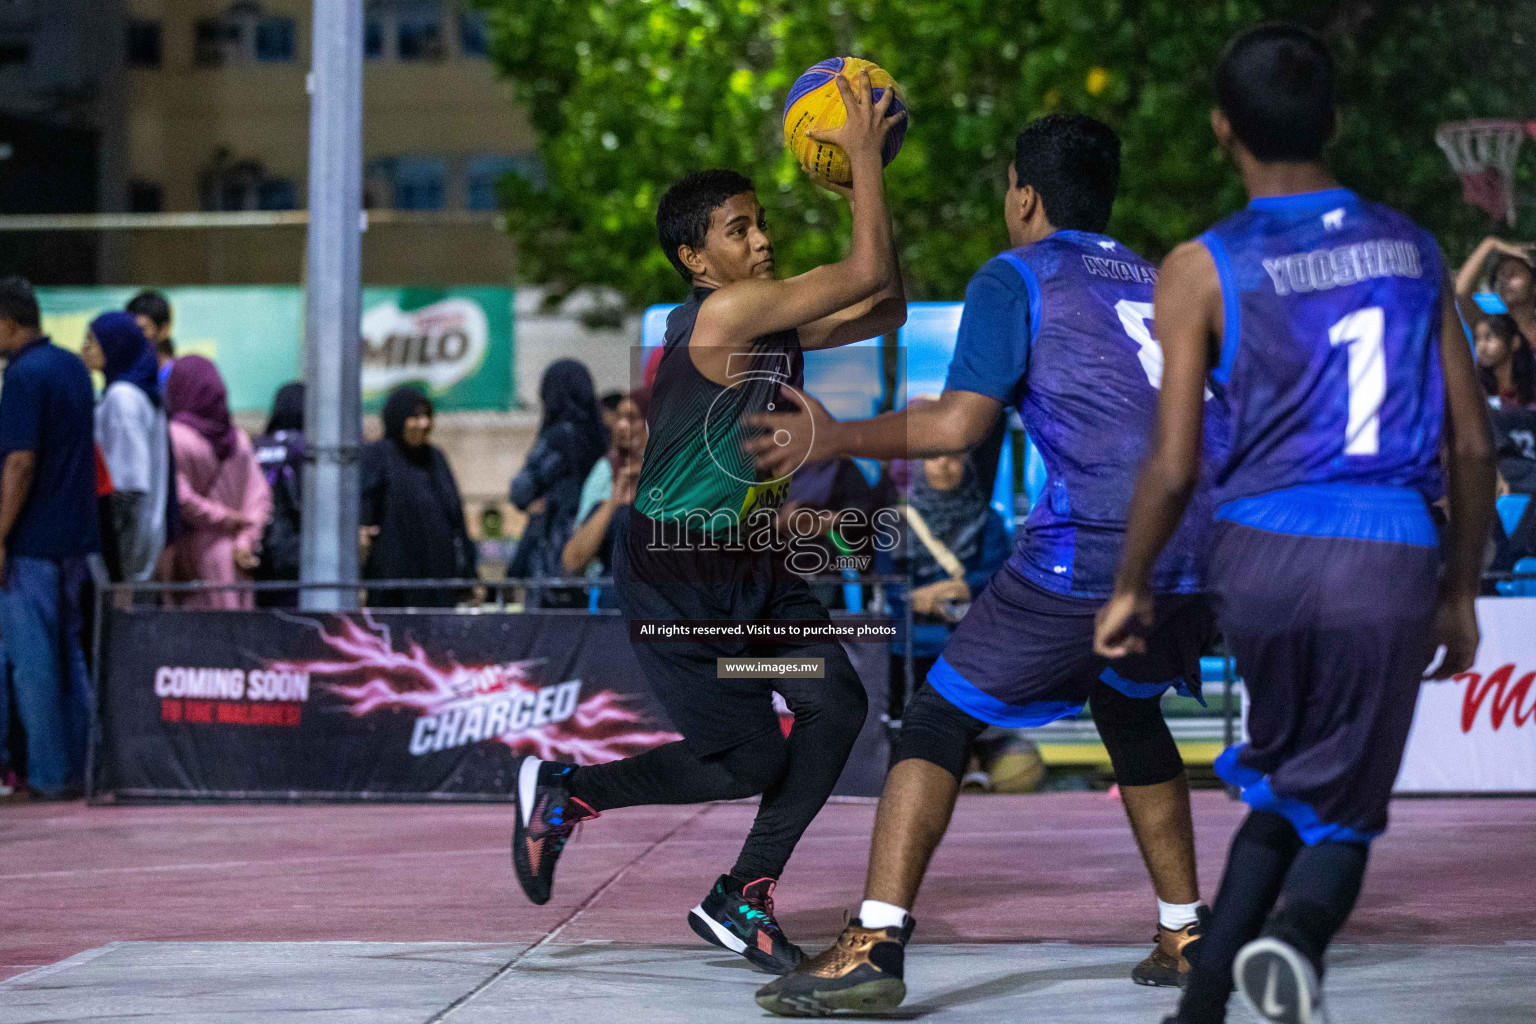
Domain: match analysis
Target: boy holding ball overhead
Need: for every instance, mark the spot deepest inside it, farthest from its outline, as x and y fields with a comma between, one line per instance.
x=695, y=546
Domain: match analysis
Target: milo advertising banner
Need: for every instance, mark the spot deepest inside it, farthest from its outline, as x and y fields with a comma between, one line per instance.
x=456, y=343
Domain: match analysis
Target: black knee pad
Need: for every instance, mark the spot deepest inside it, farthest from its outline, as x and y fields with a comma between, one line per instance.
x=934, y=730
x=1140, y=746
x=754, y=765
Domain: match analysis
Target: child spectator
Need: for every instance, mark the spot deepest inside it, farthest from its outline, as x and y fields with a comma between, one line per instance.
x=1506, y=365
x=1508, y=268
x=609, y=487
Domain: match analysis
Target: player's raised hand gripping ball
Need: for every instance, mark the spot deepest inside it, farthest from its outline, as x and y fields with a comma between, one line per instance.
x=815, y=104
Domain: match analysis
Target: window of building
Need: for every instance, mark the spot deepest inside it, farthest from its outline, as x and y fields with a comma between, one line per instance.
x=419, y=182
x=143, y=44
x=374, y=31
x=277, y=194
x=531, y=167
x=215, y=41
x=407, y=30
x=378, y=184
x=227, y=183
x=481, y=177
x=243, y=33
x=145, y=197
x=236, y=195
x=474, y=37
x=274, y=39
x=419, y=30
x=412, y=182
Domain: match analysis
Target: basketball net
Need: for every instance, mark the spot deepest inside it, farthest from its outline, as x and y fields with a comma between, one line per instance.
x=1483, y=154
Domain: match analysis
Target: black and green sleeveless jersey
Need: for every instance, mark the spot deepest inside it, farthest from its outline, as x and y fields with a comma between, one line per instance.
x=695, y=474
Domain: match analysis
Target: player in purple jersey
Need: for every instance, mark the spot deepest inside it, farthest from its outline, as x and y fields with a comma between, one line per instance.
x=1057, y=327
x=1329, y=325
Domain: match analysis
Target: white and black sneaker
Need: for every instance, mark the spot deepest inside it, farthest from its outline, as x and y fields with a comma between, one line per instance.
x=546, y=816
x=741, y=920
x=1279, y=982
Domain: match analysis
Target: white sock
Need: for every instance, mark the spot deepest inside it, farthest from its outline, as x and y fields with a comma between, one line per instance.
x=1174, y=916
x=874, y=914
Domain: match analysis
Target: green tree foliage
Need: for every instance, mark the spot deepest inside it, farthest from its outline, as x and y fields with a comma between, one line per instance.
x=626, y=96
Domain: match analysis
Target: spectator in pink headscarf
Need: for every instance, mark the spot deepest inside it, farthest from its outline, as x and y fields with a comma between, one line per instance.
x=224, y=498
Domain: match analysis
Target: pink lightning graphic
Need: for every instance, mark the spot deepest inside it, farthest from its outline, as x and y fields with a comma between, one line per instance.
x=371, y=675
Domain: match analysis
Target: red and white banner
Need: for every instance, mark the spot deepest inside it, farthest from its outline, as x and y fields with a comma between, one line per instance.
x=1476, y=733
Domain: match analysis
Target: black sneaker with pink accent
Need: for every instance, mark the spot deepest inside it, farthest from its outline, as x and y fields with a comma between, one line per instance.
x=546, y=816
x=741, y=920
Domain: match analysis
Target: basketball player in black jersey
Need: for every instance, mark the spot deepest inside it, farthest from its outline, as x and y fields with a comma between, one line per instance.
x=690, y=551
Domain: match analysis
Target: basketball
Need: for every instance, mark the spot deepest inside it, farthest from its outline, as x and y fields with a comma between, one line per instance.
x=814, y=103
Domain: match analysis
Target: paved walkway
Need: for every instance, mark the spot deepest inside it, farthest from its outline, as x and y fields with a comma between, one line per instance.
x=599, y=981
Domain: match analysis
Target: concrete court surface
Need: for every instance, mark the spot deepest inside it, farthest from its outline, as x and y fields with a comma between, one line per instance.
x=1035, y=910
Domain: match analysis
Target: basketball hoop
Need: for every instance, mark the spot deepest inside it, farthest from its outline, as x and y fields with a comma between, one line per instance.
x=1483, y=155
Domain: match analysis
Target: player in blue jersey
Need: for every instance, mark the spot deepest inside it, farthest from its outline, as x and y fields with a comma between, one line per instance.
x=1328, y=324
x=1058, y=327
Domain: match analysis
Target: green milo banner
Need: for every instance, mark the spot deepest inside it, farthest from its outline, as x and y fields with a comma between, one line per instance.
x=456, y=343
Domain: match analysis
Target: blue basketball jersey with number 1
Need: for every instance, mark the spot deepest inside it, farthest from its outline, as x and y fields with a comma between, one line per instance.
x=1329, y=367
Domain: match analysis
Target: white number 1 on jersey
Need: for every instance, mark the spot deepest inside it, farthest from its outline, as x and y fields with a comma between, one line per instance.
x=1363, y=331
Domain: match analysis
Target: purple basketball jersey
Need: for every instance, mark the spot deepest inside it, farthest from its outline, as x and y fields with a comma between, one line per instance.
x=1088, y=398
x=1330, y=362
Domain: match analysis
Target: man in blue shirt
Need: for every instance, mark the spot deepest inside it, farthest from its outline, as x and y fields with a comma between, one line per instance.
x=1057, y=328
x=48, y=527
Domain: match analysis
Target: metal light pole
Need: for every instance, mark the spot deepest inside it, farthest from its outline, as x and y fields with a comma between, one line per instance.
x=332, y=349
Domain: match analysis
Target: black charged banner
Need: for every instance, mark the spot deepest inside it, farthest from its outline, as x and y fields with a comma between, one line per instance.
x=268, y=704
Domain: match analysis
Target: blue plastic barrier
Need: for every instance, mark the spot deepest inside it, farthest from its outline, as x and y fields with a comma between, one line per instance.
x=1520, y=587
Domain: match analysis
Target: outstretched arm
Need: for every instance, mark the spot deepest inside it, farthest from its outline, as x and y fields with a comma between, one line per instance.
x=744, y=310
x=954, y=423
x=1187, y=306
x=987, y=371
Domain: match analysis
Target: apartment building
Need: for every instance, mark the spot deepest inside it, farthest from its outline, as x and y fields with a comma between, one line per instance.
x=218, y=119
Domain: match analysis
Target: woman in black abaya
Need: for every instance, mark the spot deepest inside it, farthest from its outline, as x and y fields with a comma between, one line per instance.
x=412, y=517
